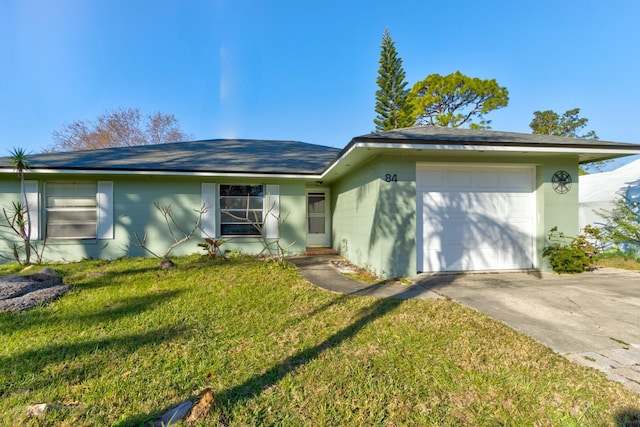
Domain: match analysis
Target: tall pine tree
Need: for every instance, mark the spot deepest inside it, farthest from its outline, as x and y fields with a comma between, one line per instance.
x=393, y=107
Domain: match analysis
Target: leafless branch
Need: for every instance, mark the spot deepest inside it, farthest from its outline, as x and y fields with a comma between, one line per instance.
x=278, y=252
x=172, y=225
x=142, y=243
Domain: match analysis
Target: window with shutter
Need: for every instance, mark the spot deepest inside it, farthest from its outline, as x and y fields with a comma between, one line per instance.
x=71, y=210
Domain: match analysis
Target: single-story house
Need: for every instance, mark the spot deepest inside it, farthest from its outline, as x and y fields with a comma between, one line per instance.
x=598, y=191
x=397, y=202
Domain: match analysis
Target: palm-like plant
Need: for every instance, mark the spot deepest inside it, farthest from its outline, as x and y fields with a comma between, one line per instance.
x=20, y=163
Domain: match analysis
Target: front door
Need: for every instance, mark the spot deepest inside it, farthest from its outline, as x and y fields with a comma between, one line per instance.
x=318, y=219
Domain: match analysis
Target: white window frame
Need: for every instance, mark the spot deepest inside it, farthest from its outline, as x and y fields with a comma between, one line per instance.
x=272, y=211
x=209, y=201
x=246, y=212
x=103, y=208
x=33, y=203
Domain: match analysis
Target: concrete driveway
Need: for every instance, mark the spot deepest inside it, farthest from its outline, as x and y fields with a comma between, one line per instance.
x=591, y=318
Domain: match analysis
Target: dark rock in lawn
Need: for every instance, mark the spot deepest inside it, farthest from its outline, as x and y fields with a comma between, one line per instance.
x=18, y=293
x=166, y=264
x=48, y=272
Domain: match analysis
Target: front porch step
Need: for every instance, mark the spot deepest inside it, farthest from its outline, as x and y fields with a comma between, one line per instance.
x=320, y=251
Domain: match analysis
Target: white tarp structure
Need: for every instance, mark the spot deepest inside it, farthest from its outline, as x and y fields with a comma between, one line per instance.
x=599, y=190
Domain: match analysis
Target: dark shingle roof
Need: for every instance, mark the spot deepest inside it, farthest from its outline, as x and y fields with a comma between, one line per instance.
x=435, y=134
x=210, y=156
x=242, y=156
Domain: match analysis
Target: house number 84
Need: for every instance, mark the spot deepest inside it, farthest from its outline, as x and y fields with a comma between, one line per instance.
x=391, y=177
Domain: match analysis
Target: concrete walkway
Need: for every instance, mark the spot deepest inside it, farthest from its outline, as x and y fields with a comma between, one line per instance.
x=319, y=271
x=592, y=319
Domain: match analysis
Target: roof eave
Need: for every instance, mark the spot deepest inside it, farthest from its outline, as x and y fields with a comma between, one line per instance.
x=588, y=144
x=129, y=172
x=585, y=152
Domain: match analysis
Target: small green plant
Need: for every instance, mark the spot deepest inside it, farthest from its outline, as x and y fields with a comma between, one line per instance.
x=571, y=254
x=235, y=254
x=17, y=219
x=212, y=247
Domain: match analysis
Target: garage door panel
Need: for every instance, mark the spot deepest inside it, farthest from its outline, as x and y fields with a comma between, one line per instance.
x=517, y=205
x=476, y=218
x=482, y=248
x=501, y=213
x=523, y=225
x=485, y=180
x=466, y=232
x=433, y=177
x=458, y=181
x=481, y=259
x=436, y=203
x=498, y=203
x=516, y=181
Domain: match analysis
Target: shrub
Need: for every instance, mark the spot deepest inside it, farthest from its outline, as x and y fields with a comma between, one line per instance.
x=570, y=254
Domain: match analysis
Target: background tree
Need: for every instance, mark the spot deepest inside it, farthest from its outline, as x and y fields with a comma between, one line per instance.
x=392, y=105
x=568, y=125
x=456, y=100
x=623, y=222
x=122, y=127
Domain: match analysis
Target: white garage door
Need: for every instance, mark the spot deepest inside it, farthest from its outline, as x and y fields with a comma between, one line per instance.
x=475, y=217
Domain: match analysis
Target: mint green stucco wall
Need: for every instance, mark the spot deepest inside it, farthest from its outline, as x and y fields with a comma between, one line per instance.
x=374, y=221
x=354, y=213
x=555, y=210
x=134, y=212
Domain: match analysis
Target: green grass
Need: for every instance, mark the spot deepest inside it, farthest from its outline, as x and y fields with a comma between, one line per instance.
x=618, y=260
x=130, y=341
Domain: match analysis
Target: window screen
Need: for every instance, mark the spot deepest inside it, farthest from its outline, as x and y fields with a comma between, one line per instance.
x=241, y=206
x=71, y=210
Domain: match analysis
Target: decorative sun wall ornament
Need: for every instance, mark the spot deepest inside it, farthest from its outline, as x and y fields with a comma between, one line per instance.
x=561, y=182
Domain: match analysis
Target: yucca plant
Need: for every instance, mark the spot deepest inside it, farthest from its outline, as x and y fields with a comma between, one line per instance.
x=19, y=215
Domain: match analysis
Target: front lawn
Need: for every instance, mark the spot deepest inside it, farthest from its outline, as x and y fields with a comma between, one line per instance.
x=618, y=260
x=131, y=341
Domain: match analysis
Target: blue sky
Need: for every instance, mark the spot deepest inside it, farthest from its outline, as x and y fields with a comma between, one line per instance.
x=306, y=71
